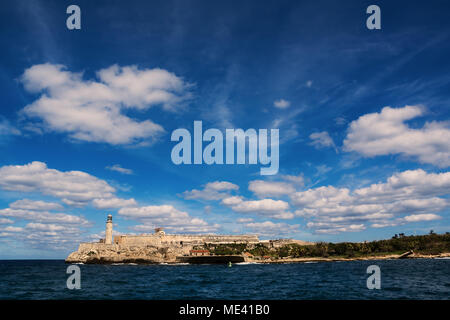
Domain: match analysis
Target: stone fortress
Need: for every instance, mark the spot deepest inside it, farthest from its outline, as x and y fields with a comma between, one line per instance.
x=152, y=248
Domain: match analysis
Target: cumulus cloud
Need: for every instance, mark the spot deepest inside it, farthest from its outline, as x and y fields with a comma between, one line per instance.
x=322, y=140
x=264, y=189
x=43, y=216
x=387, y=133
x=39, y=205
x=333, y=228
x=212, y=191
x=44, y=230
x=265, y=207
x=118, y=168
x=295, y=180
x=11, y=229
x=405, y=197
x=113, y=203
x=167, y=216
x=269, y=228
x=281, y=104
x=74, y=188
x=93, y=110
x=407, y=219
x=51, y=236
x=422, y=217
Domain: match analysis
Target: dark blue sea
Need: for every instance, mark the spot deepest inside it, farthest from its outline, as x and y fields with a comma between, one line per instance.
x=400, y=279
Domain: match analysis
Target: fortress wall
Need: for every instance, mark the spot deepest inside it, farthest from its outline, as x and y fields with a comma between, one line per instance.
x=88, y=246
x=170, y=240
x=140, y=240
x=231, y=239
x=201, y=239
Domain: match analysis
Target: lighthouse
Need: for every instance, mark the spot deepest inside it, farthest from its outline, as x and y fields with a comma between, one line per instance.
x=108, y=234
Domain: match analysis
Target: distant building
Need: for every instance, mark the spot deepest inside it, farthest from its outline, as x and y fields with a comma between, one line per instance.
x=199, y=253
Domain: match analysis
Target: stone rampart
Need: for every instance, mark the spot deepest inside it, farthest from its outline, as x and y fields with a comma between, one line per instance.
x=182, y=239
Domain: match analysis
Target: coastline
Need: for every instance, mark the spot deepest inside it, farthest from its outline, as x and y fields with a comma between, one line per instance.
x=274, y=261
x=368, y=258
x=160, y=248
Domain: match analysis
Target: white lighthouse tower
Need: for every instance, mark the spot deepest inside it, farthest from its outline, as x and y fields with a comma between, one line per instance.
x=108, y=234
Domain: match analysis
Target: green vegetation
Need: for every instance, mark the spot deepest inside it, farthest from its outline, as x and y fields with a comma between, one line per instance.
x=225, y=249
x=424, y=244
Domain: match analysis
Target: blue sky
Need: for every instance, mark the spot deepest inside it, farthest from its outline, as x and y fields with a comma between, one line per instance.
x=86, y=117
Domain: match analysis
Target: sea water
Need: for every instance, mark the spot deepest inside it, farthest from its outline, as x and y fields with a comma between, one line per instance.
x=400, y=279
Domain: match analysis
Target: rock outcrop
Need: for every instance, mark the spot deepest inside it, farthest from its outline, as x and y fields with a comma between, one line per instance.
x=106, y=254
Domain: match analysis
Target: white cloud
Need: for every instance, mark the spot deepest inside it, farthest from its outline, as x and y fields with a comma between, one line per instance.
x=332, y=228
x=422, y=217
x=45, y=230
x=232, y=201
x=51, y=236
x=47, y=227
x=281, y=104
x=340, y=121
x=265, y=207
x=6, y=129
x=212, y=191
x=12, y=229
x=322, y=170
x=295, y=180
x=118, y=168
x=43, y=216
x=387, y=133
x=167, y=216
x=113, y=203
x=221, y=186
x=91, y=110
x=27, y=204
x=407, y=219
x=409, y=184
x=6, y=221
x=322, y=140
x=405, y=197
x=264, y=189
x=268, y=228
x=72, y=187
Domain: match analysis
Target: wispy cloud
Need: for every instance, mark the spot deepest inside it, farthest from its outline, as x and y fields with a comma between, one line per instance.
x=281, y=104
x=119, y=168
x=322, y=140
x=212, y=191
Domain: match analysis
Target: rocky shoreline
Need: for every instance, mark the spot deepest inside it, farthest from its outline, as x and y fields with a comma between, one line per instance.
x=147, y=256
x=382, y=257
